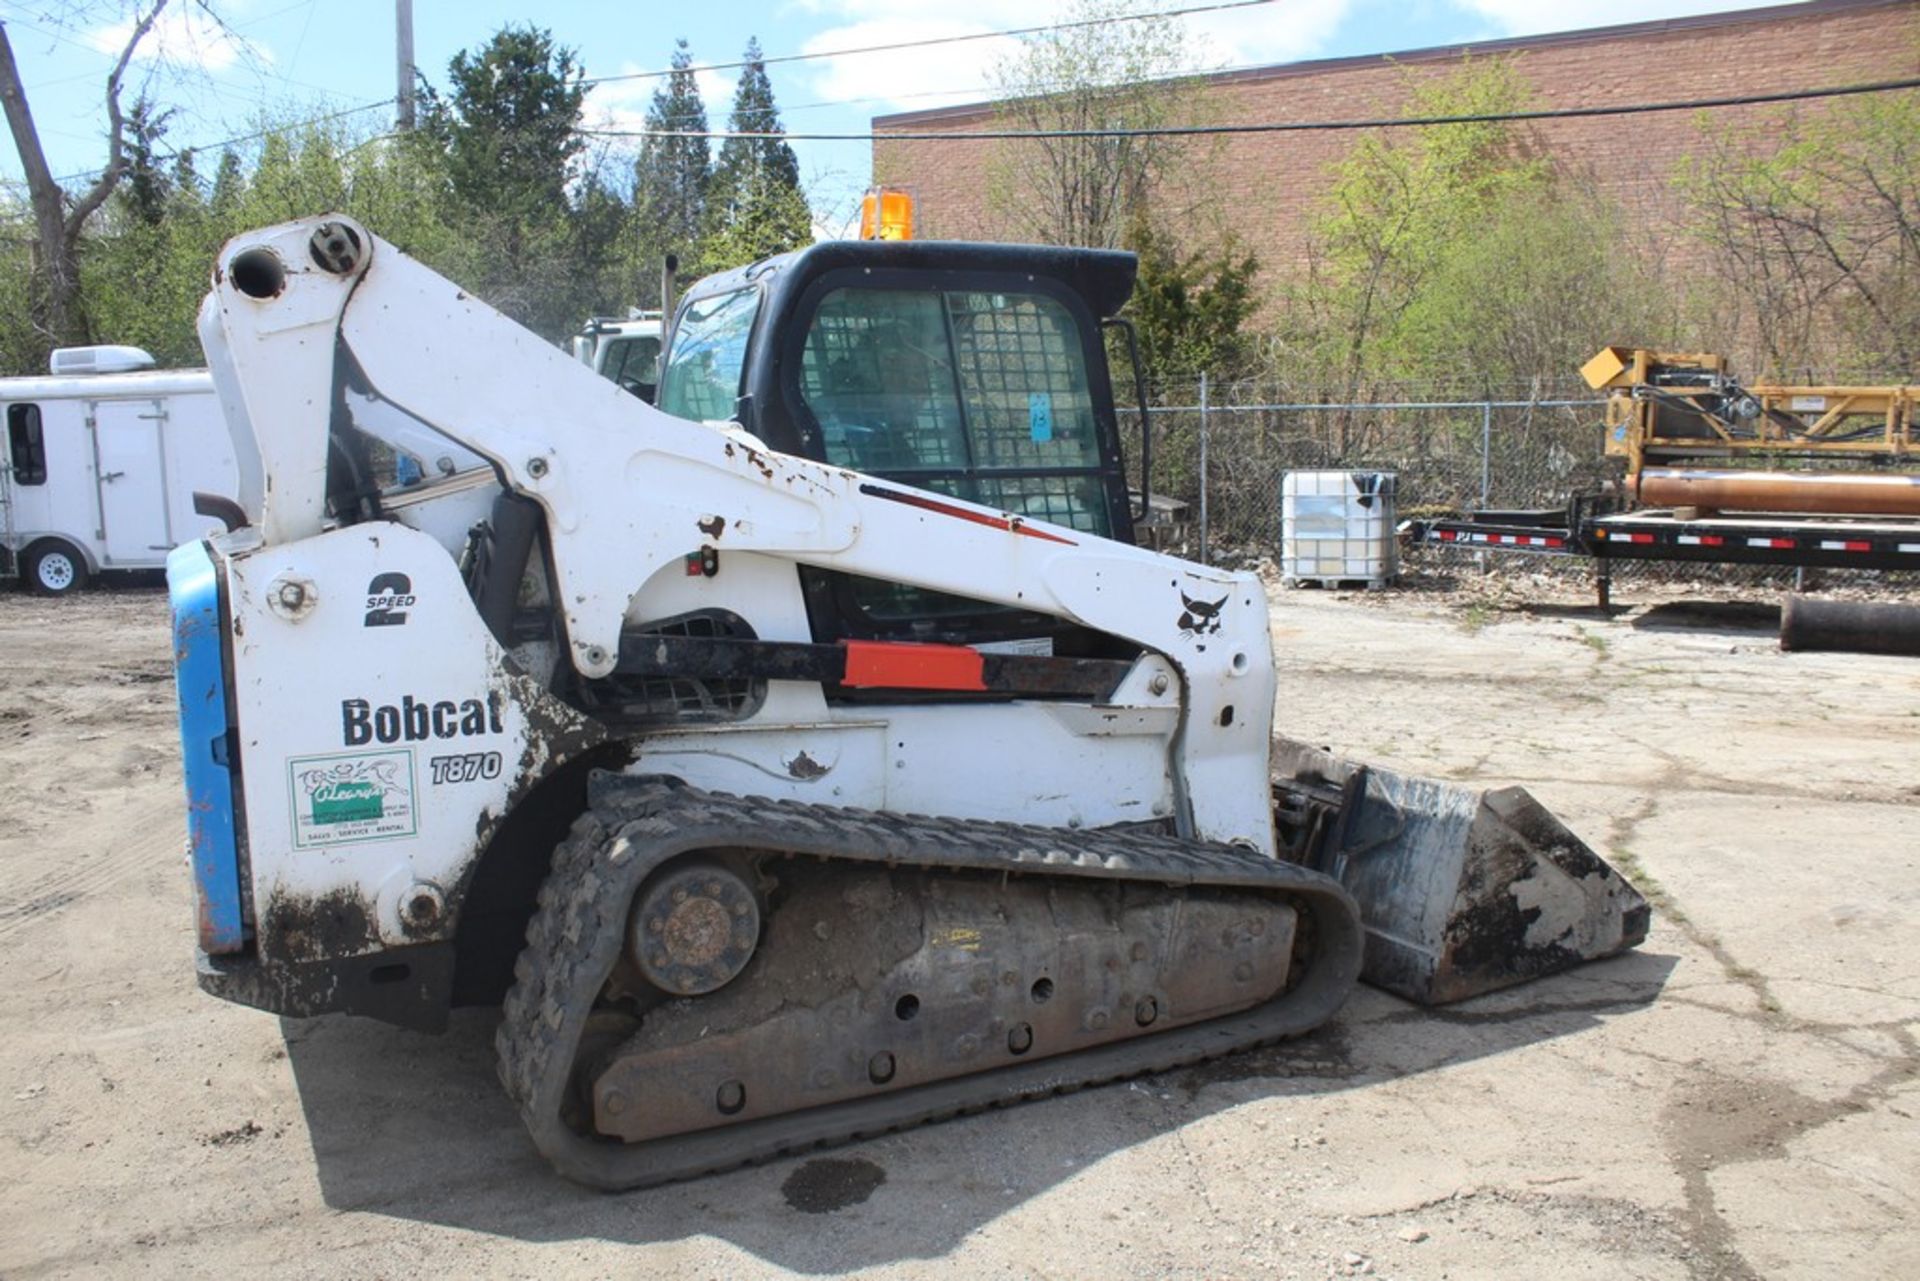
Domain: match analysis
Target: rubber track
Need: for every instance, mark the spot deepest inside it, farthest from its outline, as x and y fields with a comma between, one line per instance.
x=634, y=825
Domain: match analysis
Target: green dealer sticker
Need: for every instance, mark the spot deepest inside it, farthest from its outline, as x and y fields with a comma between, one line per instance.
x=348, y=797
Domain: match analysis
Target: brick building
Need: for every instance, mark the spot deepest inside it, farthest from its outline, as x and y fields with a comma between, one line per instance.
x=1267, y=186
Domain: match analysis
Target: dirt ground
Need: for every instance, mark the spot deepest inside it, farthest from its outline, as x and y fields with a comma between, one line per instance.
x=1736, y=1099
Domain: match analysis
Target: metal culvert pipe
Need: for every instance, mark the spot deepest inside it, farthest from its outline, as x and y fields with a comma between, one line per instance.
x=1850, y=626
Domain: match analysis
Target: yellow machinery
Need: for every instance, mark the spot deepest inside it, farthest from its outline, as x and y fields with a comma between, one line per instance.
x=1673, y=416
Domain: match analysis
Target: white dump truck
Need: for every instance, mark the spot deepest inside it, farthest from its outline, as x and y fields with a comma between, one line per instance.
x=625, y=349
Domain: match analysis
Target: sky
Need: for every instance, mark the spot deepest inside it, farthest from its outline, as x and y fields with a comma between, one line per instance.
x=286, y=60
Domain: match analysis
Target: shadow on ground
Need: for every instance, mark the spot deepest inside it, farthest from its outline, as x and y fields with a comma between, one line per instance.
x=1710, y=616
x=416, y=1127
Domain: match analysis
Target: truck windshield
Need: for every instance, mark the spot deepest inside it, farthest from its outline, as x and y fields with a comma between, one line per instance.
x=702, y=376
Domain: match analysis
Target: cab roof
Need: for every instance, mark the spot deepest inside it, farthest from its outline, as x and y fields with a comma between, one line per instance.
x=1103, y=277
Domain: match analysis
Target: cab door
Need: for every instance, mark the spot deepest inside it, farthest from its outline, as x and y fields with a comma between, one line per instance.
x=130, y=469
x=977, y=386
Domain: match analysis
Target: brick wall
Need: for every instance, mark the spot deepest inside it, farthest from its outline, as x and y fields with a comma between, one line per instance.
x=1266, y=187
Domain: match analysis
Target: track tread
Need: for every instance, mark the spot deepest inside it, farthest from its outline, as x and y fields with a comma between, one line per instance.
x=633, y=825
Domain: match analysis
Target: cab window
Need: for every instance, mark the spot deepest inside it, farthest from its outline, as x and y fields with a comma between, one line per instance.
x=982, y=395
x=702, y=377
x=633, y=362
x=878, y=375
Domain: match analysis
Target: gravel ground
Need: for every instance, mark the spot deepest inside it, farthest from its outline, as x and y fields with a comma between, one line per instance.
x=1736, y=1099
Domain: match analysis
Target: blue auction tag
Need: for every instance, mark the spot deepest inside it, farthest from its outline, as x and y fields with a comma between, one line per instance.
x=1040, y=416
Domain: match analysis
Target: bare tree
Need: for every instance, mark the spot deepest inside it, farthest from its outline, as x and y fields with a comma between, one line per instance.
x=59, y=217
x=1111, y=67
x=1815, y=219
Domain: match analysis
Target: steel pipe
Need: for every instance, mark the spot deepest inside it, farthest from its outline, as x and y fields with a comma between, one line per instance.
x=1851, y=626
x=1831, y=493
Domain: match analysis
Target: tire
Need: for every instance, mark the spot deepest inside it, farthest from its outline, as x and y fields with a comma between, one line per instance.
x=53, y=568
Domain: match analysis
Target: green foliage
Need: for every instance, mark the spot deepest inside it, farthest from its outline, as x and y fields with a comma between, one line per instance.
x=1401, y=203
x=511, y=133
x=1522, y=299
x=1193, y=310
x=761, y=216
x=1458, y=257
x=144, y=190
x=23, y=349
x=1813, y=221
x=754, y=112
x=754, y=203
x=672, y=175
x=511, y=127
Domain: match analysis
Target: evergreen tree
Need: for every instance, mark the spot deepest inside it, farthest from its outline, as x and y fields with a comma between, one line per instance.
x=755, y=207
x=229, y=185
x=1193, y=310
x=672, y=174
x=187, y=187
x=511, y=127
x=754, y=112
x=147, y=185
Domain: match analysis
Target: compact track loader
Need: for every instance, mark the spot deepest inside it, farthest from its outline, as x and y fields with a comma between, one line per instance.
x=830, y=765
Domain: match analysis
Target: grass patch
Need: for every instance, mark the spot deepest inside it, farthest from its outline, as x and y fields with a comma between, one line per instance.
x=1628, y=864
x=1475, y=617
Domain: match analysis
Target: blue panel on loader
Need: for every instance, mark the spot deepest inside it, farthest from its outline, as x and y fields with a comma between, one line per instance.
x=200, y=677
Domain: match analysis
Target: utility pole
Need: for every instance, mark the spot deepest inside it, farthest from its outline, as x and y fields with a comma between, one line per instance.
x=403, y=50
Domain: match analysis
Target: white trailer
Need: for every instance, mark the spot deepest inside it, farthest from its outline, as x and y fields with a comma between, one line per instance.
x=102, y=460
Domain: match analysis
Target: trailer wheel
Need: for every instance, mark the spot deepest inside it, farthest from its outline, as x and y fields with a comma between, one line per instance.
x=54, y=568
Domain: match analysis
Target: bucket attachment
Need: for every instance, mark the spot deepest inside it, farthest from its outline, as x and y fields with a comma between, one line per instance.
x=1461, y=891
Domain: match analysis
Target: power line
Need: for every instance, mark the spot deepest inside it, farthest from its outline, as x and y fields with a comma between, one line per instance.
x=964, y=91
x=932, y=41
x=270, y=130
x=1284, y=126
x=257, y=134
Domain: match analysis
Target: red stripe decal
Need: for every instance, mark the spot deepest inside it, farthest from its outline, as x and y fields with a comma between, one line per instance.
x=939, y=508
x=1712, y=540
x=887, y=665
x=1447, y=535
x=1859, y=547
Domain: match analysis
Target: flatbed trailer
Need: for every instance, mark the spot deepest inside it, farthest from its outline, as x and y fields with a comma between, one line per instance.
x=1593, y=527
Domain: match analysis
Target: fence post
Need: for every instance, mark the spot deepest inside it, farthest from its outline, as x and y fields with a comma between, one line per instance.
x=1203, y=467
x=1486, y=451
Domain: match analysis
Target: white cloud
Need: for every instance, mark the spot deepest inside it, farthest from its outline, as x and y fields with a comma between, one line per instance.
x=906, y=79
x=183, y=36
x=949, y=74
x=1284, y=32
x=1533, y=17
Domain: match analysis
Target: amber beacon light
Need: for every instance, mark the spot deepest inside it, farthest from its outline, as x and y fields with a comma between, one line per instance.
x=886, y=213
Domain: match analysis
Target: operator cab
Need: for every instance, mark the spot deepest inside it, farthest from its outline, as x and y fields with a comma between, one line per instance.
x=974, y=371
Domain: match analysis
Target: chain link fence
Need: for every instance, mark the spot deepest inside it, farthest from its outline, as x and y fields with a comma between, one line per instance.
x=1219, y=455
